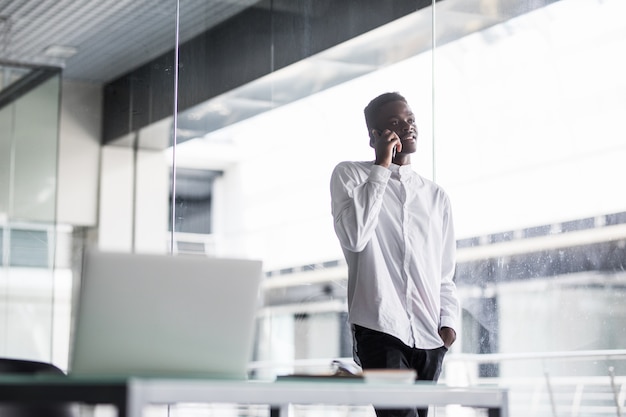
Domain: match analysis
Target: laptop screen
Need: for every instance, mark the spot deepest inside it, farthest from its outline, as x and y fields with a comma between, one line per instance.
x=164, y=315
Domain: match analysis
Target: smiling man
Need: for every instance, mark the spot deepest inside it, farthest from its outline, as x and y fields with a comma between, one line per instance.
x=395, y=228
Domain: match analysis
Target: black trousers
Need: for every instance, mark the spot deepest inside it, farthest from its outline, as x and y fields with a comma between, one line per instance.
x=377, y=350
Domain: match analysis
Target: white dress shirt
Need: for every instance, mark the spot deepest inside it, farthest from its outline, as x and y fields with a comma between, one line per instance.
x=397, y=235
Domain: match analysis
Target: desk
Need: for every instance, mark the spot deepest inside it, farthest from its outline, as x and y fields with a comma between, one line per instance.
x=130, y=395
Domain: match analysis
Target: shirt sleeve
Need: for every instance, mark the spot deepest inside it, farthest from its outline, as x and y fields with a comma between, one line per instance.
x=450, y=306
x=356, y=200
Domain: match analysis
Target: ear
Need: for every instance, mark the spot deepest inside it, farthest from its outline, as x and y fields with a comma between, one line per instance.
x=372, y=137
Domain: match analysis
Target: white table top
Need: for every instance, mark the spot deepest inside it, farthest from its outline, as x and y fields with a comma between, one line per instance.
x=136, y=392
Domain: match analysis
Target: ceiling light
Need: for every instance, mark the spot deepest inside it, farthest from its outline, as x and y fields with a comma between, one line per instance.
x=60, y=51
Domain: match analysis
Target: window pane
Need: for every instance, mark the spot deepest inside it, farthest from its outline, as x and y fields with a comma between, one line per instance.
x=529, y=144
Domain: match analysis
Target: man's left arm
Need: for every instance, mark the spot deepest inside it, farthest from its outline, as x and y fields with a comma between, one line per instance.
x=449, y=313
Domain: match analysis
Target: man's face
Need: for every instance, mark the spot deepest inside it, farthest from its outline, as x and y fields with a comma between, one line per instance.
x=398, y=117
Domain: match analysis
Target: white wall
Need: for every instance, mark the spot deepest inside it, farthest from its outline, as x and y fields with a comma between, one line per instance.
x=29, y=146
x=79, y=153
x=115, y=228
x=151, y=208
x=134, y=192
x=96, y=184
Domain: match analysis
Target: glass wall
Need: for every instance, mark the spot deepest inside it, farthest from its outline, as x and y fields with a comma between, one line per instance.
x=273, y=142
x=519, y=117
x=516, y=99
x=529, y=141
x=29, y=322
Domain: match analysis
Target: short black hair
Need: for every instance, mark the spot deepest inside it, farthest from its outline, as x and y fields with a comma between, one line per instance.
x=372, y=108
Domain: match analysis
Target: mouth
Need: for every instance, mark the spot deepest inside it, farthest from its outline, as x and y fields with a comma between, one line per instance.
x=409, y=138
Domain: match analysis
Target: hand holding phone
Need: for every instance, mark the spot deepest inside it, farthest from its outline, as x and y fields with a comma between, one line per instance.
x=387, y=144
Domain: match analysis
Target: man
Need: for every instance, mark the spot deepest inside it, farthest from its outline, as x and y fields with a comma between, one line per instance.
x=395, y=228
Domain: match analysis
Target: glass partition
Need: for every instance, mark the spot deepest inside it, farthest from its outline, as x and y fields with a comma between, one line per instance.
x=529, y=143
x=518, y=113
x=28, y=186
x=266, y=149
x=61, y=189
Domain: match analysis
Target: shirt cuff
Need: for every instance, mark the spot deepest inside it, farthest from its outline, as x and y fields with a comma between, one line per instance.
x=447, y=322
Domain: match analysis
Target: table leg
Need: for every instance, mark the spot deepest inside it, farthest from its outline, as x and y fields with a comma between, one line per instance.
x=493, y=412
x=279, y=411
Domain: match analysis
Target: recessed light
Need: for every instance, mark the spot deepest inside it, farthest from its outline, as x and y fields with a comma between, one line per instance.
x=60, y=51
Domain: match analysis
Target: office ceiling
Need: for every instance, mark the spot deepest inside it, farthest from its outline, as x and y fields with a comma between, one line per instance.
x=110, y=37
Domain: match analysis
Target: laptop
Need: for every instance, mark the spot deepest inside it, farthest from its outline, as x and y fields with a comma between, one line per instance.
x=165, y=316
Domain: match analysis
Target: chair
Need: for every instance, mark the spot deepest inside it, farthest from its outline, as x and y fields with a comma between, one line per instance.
x=21, y=366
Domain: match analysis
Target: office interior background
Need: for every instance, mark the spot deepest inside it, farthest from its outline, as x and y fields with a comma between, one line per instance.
x=211, y=128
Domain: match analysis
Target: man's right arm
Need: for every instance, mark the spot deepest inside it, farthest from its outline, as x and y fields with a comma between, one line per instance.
x=356, y=202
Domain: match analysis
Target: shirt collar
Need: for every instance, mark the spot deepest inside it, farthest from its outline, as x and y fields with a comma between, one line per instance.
x=401, y=169
x=403, y=172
